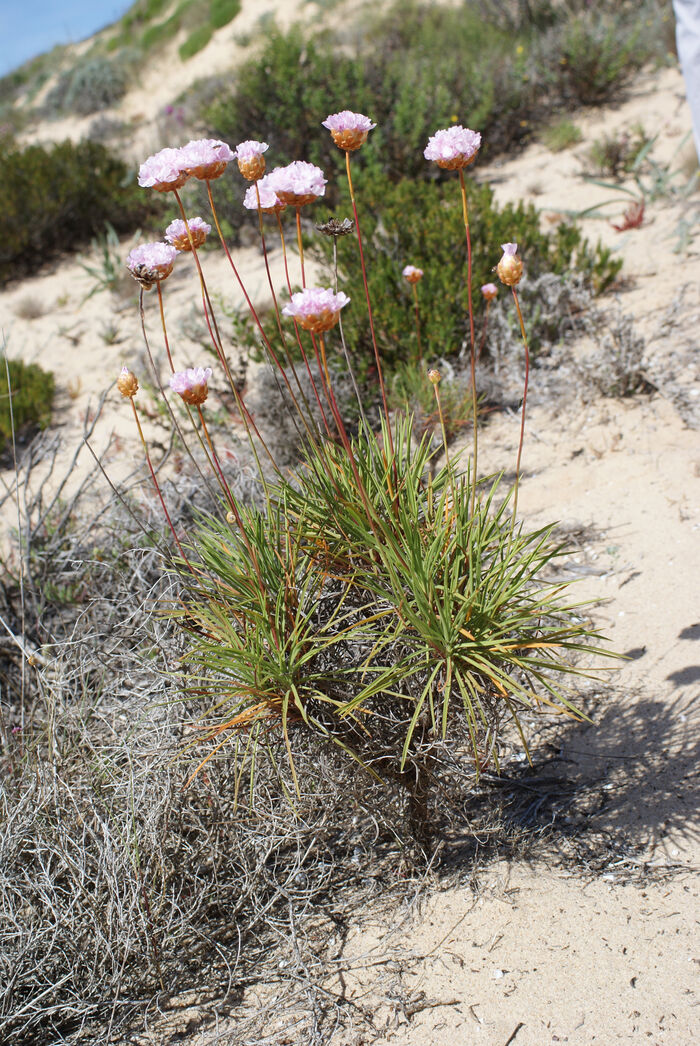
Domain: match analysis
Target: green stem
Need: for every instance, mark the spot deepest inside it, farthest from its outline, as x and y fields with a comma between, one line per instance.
x=522, y=417
x=472, y=356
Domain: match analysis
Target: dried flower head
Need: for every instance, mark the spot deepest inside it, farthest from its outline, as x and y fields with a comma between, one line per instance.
x=270, y=202
x=163, y=171
x=251, y=162
x=191, y=384
x=176, y=233
x=298, y=183
x=337, y=227
x=151, y=262
x=412, y=274
x=205, y=158
x=316, y=309
x=348, y=130
x=489, y=291
x=127, y=383
x=434, y=377
x=453, y=148
x=510, y=267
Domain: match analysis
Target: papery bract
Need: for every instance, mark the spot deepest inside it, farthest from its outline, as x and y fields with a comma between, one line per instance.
x=510, y=267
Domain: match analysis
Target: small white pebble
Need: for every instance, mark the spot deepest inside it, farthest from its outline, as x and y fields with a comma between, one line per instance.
x=497, y=974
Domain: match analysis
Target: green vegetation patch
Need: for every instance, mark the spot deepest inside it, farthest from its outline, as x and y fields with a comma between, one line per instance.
x=196, y=42
x=31, y=390
x=55, y=199
x=420, y=223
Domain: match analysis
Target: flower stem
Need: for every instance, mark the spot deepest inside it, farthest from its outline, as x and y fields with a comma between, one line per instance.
x=522, y=417
x=415, y=304
x=157, y=486
x=300, y=244
x=447, y=453
x=342, y=337
x=162, y=320
x=472, y=359
x=483, y=333
x=369, y=304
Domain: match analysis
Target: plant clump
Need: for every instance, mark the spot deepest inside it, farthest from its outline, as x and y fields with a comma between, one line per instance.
x=26, y=398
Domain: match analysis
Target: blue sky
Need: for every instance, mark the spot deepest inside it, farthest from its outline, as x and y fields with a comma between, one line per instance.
x=29, y=27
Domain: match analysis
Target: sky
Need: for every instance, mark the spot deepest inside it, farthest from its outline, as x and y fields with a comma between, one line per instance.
x=29, y=27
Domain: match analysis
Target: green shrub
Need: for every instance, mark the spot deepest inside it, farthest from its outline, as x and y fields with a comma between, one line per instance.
x=32, y=391
x=561, y=134
x=98, y=84
x=597, y=58
x=420, y=223
x=221, y=12
x=416, y=68
x=616, y=155
x=88, y=87
x=55, y=199
x=195, y=42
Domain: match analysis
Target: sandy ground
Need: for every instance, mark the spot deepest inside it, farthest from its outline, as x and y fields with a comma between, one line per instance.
x=549, y=949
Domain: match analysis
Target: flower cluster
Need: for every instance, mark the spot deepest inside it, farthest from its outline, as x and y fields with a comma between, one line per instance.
x=191, y=384
x=453, y=148
x=316, y=309
x=177, y=234
x=270, y=202
x=151, y=262
x=489, y=291
x=298, y=183
x=251, y=162
x=169, y=169
x=348, y=130
x=412, y=274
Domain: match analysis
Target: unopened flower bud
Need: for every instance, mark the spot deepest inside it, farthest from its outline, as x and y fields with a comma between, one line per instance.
x=489, y=291
x=510, y=267
x=434, y=377
x=127, y=383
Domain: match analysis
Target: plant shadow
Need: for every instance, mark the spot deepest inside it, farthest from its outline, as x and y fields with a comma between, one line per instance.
x=620, y=792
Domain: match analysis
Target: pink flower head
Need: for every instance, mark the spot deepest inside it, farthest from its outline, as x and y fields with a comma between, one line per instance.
x=297, y=183
x=251, y=162
x=270, y=202
x=176, y=233
x=191, y=384
x=412, y=274
x=163, y=171
x=316, y=309
x=510, y=267
x=348, y=130
x=205, y=158
x=453, y=148
x=489, y=291
x=151, y=262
